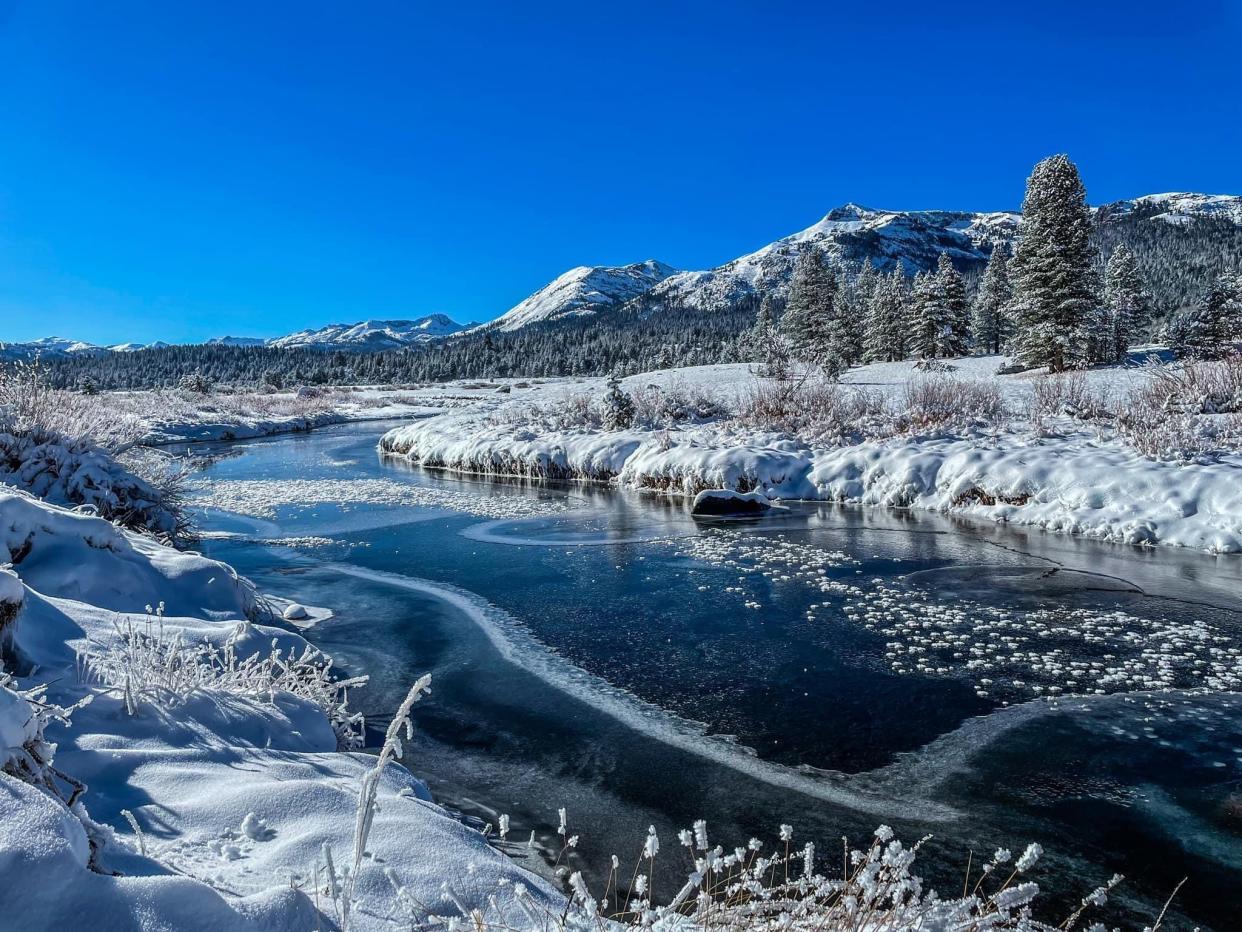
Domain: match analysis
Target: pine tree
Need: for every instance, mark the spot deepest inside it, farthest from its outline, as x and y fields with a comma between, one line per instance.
x=951, y=288
x=764, y=343
x=928, y=317
x=887, y=330
x=618, y=405
x=1126, y=299
x=1205, y=331
x=849, y=324
x=1051, y=269
x=992, y=325
x=810, y=322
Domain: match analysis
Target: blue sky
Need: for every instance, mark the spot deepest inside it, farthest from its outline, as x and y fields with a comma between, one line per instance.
x=184, y=170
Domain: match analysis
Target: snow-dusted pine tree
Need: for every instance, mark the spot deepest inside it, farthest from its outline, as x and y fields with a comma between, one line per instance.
x=1051, y=269
x=1127, y=301
x=853, y=297
x=618, y=405
x=765, y=343
x=1205, y=331
x=810, y=321
x=992, y=325
x=887, y=328
x=928, y=317
x=955, y=336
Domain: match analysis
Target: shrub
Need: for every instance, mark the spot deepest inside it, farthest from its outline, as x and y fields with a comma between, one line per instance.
x=148, y=664
x=944, y=403
x=1068, y=394
x=816, y=409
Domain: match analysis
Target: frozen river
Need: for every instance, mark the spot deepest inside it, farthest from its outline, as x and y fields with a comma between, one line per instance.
x=829, y=668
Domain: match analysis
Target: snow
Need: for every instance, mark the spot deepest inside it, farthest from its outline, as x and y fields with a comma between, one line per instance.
x=235, y=795
x=583, y=290
x=370, y=334
x=1068, y=480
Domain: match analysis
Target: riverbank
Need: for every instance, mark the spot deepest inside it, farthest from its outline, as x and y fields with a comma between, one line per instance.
x=999, y=447
x=169, y=756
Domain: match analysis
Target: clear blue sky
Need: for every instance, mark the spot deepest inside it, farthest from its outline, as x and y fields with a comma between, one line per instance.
x=182, y=170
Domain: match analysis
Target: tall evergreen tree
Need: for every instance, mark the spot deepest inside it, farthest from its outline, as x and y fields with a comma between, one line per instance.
x=928, y=317
x=1126, y=299
x=992, y=325
x=810, y=321
x=954, y=337
x=849, y=327
x=1051, y=269
x=887, y=328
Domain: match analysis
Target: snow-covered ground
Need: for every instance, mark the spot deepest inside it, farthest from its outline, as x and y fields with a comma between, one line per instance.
x=1022, y=464
x=233, y=792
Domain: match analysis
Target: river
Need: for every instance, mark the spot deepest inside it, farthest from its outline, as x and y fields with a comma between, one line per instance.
x=831, y=668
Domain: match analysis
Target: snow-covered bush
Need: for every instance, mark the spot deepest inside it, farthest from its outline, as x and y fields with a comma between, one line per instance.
x=817, y=409
x=1185, y=413
x=150, y=664
x=944, y=403
x=1069, y=394
x=27, y=755
x=64, y=447
x=785, y=887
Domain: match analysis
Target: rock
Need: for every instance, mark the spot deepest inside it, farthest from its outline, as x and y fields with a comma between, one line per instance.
x=295, y=612
x=729, y=504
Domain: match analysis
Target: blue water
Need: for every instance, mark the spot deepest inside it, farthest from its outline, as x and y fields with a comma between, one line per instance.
x=596, y=659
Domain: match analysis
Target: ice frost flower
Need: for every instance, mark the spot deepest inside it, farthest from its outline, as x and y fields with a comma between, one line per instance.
x=504, y=825
x=652, y=846
x=685, y=838
x=786, y=833
x=700, y=834
x=1029, y=857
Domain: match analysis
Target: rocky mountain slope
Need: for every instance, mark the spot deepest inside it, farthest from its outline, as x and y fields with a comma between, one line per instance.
x=582, y=291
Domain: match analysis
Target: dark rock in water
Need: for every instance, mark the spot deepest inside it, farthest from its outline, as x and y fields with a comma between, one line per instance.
x=723, y=503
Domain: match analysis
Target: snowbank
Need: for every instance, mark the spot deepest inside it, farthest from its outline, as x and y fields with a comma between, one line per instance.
x=234, y=795
x=1070, y=482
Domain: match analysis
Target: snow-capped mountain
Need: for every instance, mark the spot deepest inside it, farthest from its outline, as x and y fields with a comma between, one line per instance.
x=584, y=290
x=371, y=334
x=134, y=347
x=1178, y=208
x=48, y=347
x=848, y=234
x=237, y=341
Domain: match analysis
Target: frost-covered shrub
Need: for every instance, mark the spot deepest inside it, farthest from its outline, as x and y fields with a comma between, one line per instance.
x=817, y=409
x=1185, y=413
x=27, y=755
x=1069, y=394
x=148, y=664
x=784, y=887
x=944, y=403
x=63, y=447
x=677, y=404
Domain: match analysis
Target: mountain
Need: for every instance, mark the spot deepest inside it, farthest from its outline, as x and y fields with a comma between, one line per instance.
x=48, y=348
x=849, y=234
x=134, y=347
x=583, y=291
x=1180, y=240
x=1177, y=208
x=372, y=334
x=237, y=341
